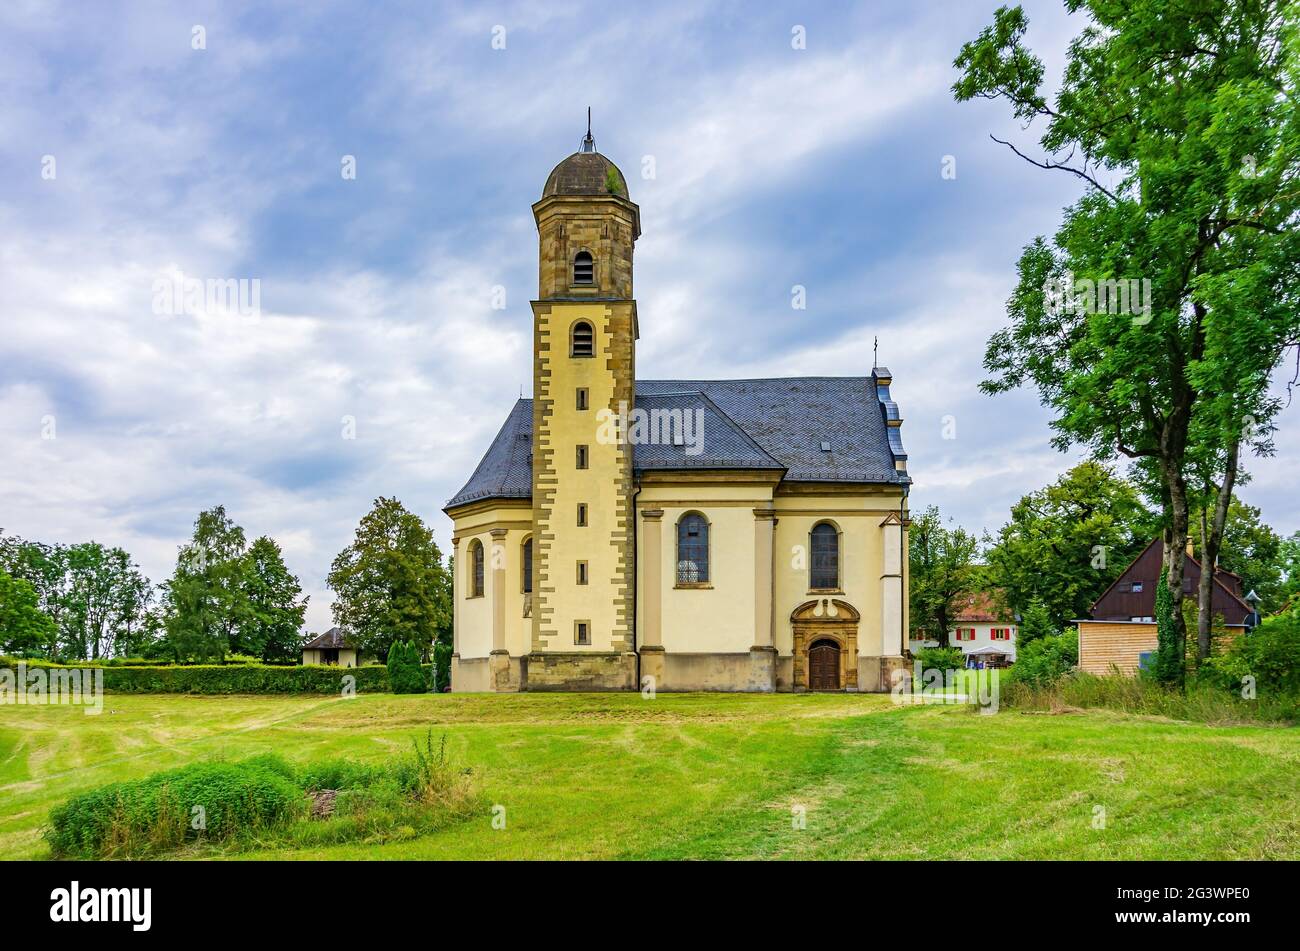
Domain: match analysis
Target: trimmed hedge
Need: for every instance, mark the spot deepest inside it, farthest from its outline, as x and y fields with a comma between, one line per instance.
x=247, y=678
x=231, y=660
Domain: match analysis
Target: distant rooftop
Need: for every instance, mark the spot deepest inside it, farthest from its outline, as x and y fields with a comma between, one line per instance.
x=332, y=639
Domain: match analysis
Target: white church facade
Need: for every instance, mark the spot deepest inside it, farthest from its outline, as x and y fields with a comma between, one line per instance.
x=618, y=534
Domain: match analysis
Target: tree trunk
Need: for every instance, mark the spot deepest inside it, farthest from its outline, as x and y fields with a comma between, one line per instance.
x=1172, y=456
x=1175, y=552
x=1211, y=540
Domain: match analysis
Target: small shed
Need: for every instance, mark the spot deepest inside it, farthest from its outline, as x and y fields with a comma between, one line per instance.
x=1130, y=645
x=333, y=648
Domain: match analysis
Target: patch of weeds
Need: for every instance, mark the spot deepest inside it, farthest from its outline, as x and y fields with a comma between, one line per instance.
x=266, y=802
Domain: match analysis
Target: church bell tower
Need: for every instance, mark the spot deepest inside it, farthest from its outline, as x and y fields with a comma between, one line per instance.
x=584, y=349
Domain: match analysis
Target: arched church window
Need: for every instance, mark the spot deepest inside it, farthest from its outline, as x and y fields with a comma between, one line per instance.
x=825, y=556
x=584, y=268
x=476, y=569
x=584, y=340
x=528, y=566
x=692, y=549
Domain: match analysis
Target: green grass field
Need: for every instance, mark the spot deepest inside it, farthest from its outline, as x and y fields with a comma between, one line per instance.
x=718, y=776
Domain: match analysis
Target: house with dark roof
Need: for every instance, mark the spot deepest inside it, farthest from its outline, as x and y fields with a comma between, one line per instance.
x=1120, y=630
x=628, y=534
x=334, y=648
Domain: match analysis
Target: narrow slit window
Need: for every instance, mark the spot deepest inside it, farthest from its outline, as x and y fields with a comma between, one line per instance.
x=581, y=632
x=582, y=457
x=582, y=572
x=528, y=566
x=582, y=398
x=582, y=514
x=476, y=569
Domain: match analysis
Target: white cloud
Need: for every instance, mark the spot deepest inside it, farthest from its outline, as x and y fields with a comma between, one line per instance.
x=377, y=293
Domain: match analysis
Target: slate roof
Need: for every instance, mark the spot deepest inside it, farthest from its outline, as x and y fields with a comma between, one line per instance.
x=790, y=417
x=708, y=440
x=747, y=424
x=331, y=639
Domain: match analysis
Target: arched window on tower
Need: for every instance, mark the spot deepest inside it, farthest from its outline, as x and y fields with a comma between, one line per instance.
x=825, y=557
x=584, y=268
x=692, y=549
x=583, y=343
x=476, y=569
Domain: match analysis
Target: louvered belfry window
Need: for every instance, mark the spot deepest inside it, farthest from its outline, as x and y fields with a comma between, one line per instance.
x=584, y=340
x=825, y=557
x=692, y=549
x=584, y=268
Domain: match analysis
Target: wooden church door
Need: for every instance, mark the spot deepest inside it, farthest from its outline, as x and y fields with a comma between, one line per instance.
x=824, y=666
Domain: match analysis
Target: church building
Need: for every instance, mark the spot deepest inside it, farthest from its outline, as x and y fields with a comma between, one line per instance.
x=628, y=534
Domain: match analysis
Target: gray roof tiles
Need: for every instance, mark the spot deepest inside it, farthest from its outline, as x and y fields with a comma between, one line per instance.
x=790, y=417
x=747, y=424
x=695, y=433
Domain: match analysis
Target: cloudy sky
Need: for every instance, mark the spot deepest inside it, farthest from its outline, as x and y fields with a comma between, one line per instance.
x=130, y=157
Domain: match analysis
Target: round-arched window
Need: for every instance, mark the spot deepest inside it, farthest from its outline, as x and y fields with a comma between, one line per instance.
x=476, y=569
x=584, y=268
x=825, y=557
x=583, y=342
x=692, y=549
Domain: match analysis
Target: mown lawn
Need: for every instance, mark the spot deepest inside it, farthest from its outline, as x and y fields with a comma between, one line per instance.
x=716, y=776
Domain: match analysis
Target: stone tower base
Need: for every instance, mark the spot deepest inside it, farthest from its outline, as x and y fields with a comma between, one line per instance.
x=579, y=671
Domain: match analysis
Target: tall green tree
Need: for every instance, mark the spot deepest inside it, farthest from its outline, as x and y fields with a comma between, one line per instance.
x=45, y=568
x=1251, y=550
x=1035, y=623
x=1289, y=590
x=205, y=600
x=941, y=566
x=24, y=627
x=391, y=583
x=271, y=626
x=1179, y=118
x=97, y=596
x=105, y=603
x=1067, y=542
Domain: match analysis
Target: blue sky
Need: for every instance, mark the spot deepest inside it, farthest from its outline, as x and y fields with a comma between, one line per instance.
x=772, y=166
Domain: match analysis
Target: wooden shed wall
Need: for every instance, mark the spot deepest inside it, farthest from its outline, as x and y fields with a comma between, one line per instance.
x=1120, y=643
